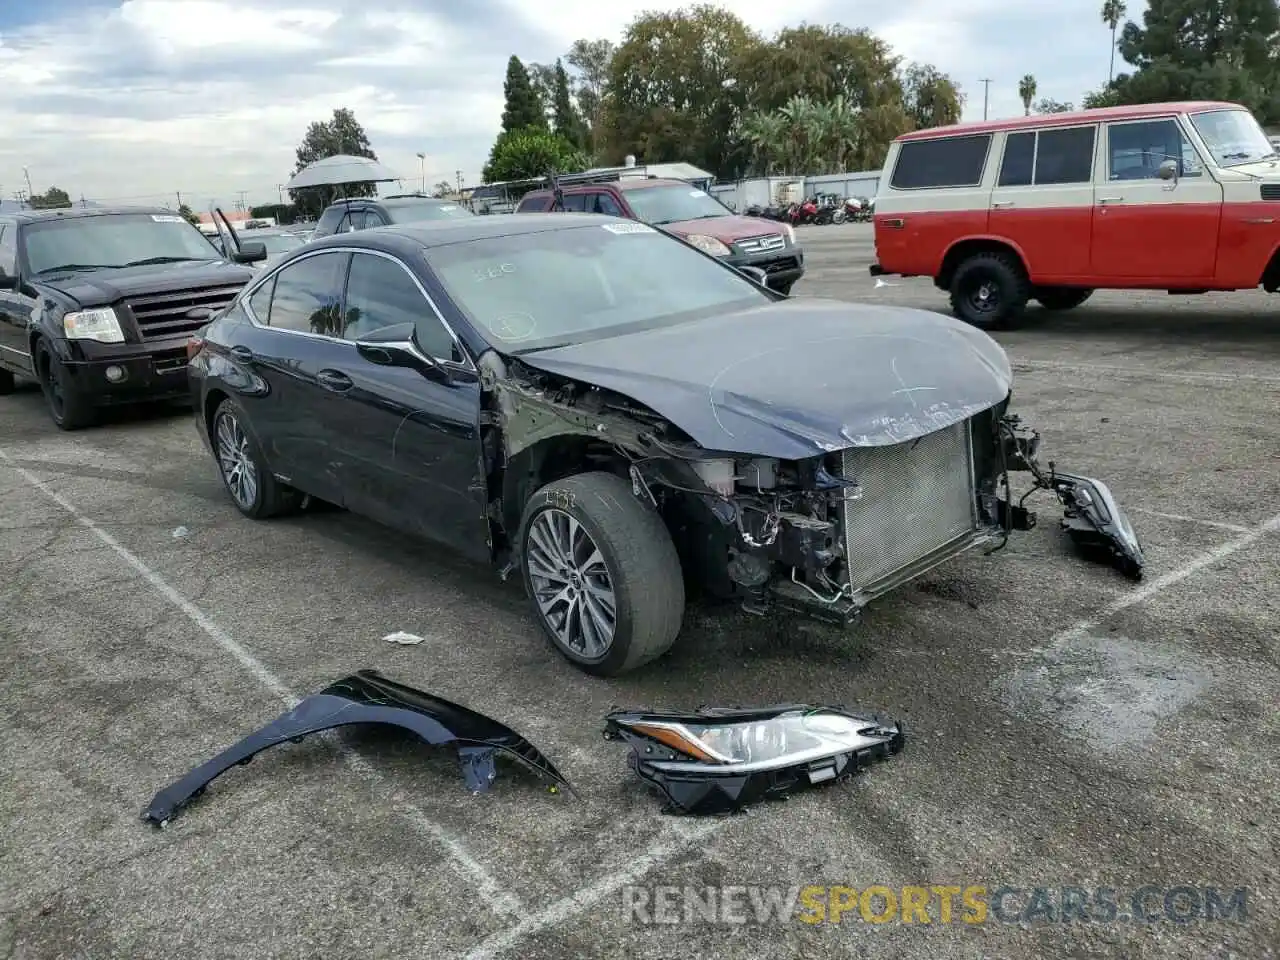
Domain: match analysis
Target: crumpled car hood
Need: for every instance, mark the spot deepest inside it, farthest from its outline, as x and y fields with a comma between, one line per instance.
x=799, y=378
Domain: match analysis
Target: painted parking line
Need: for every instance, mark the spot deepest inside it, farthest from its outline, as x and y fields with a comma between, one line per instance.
x=1163, y=582
x=464, y=864
x=1182, y=518
x=683, y=840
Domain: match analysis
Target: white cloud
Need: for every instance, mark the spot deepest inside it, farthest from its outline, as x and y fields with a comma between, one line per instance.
x=139, y=99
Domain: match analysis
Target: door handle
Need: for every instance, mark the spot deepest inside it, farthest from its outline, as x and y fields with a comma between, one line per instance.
x=335, y=381
x=1003, y=203
x=243, y=354
x=896, y=222
x=1111, y=199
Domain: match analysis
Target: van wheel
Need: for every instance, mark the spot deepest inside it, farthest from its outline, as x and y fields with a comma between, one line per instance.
x=7, y=383
x=1062, y=298
x=989, y=290
x=603, y=574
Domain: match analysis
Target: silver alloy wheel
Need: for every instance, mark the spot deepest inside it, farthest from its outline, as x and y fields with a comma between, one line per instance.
x=571, y=583
x=239, y=472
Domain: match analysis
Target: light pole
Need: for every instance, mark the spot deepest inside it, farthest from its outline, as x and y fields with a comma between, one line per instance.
x=986, y=89
x=422, y=170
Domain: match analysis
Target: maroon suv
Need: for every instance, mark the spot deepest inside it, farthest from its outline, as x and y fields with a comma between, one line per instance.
x=691, y=214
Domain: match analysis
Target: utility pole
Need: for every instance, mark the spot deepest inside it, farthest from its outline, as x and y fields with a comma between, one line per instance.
x=422, y=170
x=178, y=194
x=986, y=90
x=31, y=191
x=280, y=193
x=458, y=173
x=240, y=203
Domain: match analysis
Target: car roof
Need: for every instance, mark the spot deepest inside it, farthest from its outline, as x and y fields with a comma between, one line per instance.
x=1097, y=115
x=622, y=183
x=404, y=238
x=73, y=213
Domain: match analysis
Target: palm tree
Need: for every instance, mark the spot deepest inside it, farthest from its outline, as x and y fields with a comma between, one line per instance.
x=767, y=134
x=1113, y=11
x=1027, y=91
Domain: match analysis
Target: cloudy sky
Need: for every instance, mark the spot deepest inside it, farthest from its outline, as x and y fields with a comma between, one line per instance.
x=136, y=100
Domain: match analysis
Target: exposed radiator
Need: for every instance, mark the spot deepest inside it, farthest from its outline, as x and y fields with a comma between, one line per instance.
x=917, y=497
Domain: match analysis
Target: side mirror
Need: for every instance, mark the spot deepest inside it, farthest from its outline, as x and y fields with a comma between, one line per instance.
x=397, y=346
x=7, y=282
x=756, y=274
x=251, y=253
x=1168, y=170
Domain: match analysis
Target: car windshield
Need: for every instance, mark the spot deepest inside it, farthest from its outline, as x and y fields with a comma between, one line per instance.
x=113, y=240
x=1233, y=137
x=563, y=286
x=416, y=212
x=669, y=204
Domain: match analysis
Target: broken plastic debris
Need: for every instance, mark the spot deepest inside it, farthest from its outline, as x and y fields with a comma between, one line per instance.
x=180, y=532
x=882, y=282
x=408, y=639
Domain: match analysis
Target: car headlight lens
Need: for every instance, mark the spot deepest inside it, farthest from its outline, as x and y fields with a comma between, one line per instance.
x=708, y=245
x=100, y=325
x=790, y=231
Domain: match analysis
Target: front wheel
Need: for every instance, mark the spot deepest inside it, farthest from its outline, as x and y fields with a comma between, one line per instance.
x=989, y=290
x=255, y=492
x=69, y=408
x=1062, y=298
x=783, y=287
x=603, y=574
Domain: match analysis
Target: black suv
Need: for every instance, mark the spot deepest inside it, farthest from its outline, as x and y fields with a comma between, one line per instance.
x=361, y=213
x=98, y=304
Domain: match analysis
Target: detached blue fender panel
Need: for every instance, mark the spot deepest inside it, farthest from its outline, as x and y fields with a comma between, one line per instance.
x=367, y=697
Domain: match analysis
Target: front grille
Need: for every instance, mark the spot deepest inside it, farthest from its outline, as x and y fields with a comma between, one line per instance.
x=773, y=241
x=917, y=497
x=781, y=263
x=165, y=315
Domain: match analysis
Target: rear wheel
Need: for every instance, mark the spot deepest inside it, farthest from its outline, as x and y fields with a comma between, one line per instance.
x=255, y=492
x=69, y=408
x=989, y=290
x=603, y=574
x=1062, y=298
x=7, y=383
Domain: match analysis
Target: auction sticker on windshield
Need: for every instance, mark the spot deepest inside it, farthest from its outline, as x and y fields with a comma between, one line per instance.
x=628, y=228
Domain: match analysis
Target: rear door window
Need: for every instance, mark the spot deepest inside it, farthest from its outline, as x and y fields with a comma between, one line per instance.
x=1064, y=156
x=8, y=249
x=1019, y=162
x=308, y=293
x=941, y=162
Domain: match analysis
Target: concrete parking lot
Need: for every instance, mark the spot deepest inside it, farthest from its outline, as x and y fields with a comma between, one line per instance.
x=1067, y=728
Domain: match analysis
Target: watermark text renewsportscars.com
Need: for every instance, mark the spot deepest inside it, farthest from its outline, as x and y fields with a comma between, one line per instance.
x=933, y=904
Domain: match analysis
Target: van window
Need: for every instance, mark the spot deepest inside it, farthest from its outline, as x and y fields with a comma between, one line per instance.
x=941, y=162
x=1019, y=160
x=1065, y=156
x=533, y=203
x=1136, y=150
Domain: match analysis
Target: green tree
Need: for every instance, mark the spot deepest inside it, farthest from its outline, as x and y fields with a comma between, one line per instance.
x=1049, y=105
x=591, y=61
x=673, y=91
x=1192, y=50
x=523, y=108
x=55, y=198
x=442, y=189
x=1027, y=91
x=1113, y=12
x=565, y=120
x=542, y=78
x=529, y=153
x=930, y=97
x=188, y=214
x=341, y=134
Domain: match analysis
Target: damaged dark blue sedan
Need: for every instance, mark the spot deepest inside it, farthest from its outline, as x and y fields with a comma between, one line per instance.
x=618, y=416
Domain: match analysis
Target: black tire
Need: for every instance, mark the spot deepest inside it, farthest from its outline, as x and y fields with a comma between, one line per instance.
x=8, y=383
x=642, y=567
x=68, y=407
x=783, y=288
x=1062, y=298
x=989, y=290
x=269, y=497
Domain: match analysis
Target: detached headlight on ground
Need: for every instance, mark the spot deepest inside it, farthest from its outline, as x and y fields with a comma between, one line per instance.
x=718, y=761
x=709, y=245
x=100, y=325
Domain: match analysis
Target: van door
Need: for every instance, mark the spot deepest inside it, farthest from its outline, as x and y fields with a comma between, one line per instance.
x=1148, y=229
x=1043, y=199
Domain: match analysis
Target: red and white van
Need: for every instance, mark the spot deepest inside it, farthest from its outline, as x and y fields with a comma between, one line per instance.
x=1183, y=197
